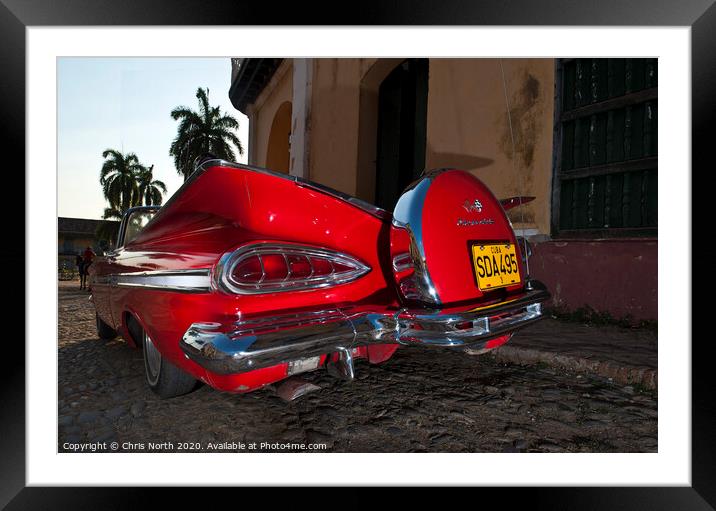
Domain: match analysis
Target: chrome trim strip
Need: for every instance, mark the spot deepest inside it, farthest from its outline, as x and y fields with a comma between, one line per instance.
x=192, y=281
x=261, y=325
x=409, y=215
x=104, y=280
x=263, y=342
x=222, y=275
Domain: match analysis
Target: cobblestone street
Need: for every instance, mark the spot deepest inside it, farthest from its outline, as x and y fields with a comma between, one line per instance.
x=419, y=401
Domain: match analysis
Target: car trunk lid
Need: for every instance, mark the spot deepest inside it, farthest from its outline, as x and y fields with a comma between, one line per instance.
x=451, y=241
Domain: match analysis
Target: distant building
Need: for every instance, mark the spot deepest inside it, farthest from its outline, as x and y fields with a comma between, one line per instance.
x=584, y=145
x=76, y=234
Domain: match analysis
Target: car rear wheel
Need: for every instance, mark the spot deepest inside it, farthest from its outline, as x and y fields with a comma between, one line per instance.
x=163, y=377
x=104, y=331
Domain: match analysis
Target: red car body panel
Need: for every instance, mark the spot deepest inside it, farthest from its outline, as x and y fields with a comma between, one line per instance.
x=228, y=206
x=443, y=240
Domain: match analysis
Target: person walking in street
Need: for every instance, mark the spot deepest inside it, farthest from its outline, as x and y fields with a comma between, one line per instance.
x=87, y=258
x=79, y=262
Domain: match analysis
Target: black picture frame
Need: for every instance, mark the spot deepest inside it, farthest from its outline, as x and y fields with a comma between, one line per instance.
x=17, y=15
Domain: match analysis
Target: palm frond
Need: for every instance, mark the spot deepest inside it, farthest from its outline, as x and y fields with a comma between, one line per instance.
x=110, y=213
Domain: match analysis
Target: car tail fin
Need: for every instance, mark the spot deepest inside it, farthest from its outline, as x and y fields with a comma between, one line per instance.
x=513, y=202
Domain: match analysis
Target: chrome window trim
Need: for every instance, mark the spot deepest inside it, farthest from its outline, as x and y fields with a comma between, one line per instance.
x=123, y=223
x=221, y=277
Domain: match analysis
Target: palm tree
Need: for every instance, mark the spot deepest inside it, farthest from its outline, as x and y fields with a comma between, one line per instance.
x=110, y=213
x=204, y=132
x=118, y=178
x=150, y=189
x=106, y=234
x=127, y=183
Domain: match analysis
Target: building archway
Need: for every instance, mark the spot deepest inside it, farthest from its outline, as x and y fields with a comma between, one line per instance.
x=392, y=129
x=279, y=143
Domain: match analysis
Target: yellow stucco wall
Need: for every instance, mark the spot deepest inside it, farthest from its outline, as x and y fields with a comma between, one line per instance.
x=468, y=127
x=278, y=91
x=335, y=121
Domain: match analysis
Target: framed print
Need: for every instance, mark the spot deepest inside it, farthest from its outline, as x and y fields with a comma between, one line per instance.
x=433, y=242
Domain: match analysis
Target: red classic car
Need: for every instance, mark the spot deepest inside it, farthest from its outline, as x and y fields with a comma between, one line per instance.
x=247, y=276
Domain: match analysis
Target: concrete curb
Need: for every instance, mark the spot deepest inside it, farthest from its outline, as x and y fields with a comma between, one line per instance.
x=620, y=373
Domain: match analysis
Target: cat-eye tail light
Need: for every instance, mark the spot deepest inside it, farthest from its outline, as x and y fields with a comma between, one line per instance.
x=273, y=267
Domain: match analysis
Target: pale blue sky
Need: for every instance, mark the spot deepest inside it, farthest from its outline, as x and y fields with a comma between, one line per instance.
x=124, y=104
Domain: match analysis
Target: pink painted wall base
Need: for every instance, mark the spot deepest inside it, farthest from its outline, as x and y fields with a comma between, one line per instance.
x=614, y=276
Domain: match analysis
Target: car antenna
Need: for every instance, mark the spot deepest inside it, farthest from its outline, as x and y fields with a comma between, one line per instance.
x=514, y=166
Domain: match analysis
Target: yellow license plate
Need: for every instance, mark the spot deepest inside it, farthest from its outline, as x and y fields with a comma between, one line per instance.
x=495, y=265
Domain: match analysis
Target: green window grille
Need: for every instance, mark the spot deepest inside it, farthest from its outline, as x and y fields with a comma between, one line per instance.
x=605, y=154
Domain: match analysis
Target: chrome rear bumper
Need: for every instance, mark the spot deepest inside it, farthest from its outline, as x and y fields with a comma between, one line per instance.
x=253, y=344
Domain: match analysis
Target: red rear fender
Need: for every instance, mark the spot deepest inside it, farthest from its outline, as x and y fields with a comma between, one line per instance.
x=440, y=218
